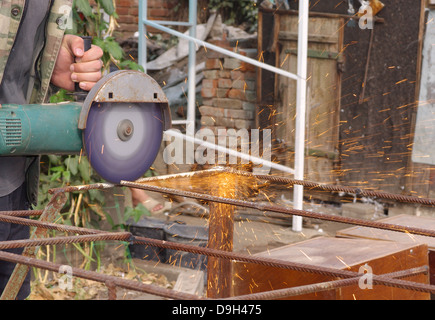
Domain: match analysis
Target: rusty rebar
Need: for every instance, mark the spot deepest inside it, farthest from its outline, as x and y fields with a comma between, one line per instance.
x=322, y=286
x=120, y=236
x=86, y=187
x=22, y=213
x=103, y=278
x=270, y=262
x=48, y=225
x=282, y=209
x=289, y=181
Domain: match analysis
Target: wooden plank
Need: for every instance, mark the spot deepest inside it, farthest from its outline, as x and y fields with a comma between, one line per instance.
x=323, y=94
x=289, y=35
x=387, y=235
x=399, y=237
x=342, y=254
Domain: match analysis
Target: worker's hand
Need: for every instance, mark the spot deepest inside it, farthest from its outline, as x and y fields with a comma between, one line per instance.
x=75, y=65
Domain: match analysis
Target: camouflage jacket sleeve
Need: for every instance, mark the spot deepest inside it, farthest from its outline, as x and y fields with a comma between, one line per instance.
x=56, y=25
x=10, y=16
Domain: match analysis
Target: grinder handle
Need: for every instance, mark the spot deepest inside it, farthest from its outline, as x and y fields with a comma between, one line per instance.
x=87, y=41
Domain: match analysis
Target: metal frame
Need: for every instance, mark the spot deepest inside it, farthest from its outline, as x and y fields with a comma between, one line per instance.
x=301, y=78
x=347, y=278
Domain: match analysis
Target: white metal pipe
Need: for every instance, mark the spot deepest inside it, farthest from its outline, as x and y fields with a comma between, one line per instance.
x=248, y=157
x=223, y=51
x=142, y=41
x=301, y=102
x=191, y=78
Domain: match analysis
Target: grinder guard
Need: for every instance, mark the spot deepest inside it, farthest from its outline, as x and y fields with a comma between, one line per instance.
x=123, y=119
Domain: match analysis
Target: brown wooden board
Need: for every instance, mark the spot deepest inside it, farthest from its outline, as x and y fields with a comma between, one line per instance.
x=343, y=254
x=403, y=220
x=323, y=92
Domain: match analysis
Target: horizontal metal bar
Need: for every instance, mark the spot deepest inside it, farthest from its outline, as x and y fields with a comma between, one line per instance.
x=244, y=156
x=173, y=23
x=224, y=51
x=181, y=121
x=100, y=277
x=282, y=209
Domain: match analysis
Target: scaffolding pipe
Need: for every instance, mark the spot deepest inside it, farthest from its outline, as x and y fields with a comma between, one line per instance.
x=191, y=80
x=229, y=53
x=244, y=156
x=300, y=77
x=301, y=102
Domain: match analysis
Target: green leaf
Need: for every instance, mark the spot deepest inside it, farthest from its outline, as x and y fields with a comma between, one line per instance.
x=57, y=169
x=107, y=6
x=113, y=48
x=55, y=160
x=84, y=7
x=96, y=194
x=85, y=169
x=66, y=176
x=72, y=164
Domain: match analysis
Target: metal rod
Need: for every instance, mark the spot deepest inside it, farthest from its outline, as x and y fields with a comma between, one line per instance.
x=228, y=151
x=20, y=271
x=191, y=81
x=142, y=43
x=322, y=286
x=301, y=106
x=223, y=51
x=92, y=275
x=121, y=236
x=281, y=209
x=271, y=262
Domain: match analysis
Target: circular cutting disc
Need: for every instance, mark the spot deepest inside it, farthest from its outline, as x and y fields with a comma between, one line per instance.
x=122, y=139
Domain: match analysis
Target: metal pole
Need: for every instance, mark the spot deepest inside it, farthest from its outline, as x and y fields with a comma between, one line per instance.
x=142, y=43
x=191, y=78
x=224, y=51
x=233, y=152
x=301, y=103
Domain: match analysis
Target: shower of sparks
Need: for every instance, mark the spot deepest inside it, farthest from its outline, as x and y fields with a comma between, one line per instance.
x=341, y=260
x=305, y=255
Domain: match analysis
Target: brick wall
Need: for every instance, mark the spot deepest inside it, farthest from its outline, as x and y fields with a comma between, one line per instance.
x=228, y=91
x=128, y=12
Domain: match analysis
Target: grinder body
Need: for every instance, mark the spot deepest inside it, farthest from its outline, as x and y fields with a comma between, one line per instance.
x=119, y=126
x=40, y=129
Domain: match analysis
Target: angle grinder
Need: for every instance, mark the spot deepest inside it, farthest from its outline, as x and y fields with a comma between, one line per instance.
x=119, y=126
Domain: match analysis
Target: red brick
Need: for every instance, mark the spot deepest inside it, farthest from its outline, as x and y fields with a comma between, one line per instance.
x=121, y=11
x=209, y=83
x=239, y=75
x=225, y=83
x=236, y=94
x=211, y=111
x=247, y=67
x=228, y=103
x=153, y=13
x=222, y=93
x=208, y=92
x=126, y=3
x=213, y=64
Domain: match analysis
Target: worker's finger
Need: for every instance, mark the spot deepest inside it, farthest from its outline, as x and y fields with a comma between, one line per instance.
x=86, y=85
x=75, y=45
x=86, y=77
x=94, y=53
x=84, y=67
